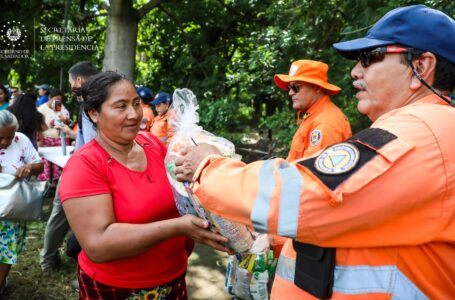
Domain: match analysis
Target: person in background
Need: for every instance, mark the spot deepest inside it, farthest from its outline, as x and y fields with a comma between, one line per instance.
x=323, y=123
x=57, y=226
x=146, y=96
x=372, y=217
x=120, y=205
x=4, y=98
x=161, y=127
x=15, y=92
x=17, y=157
x=55, y=114
x=43, y=92
x=31, y=121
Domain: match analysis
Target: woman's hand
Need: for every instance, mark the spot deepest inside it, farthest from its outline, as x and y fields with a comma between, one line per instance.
x=197, y=229
x=24, y=172
x=191, y=157
x=28, y=170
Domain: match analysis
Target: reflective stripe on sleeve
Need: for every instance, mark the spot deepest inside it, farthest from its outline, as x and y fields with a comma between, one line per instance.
x=357, y=280
x=288, y=217
x=261, y=207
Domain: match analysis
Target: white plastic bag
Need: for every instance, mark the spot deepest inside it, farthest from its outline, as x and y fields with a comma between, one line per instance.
x=187, y=133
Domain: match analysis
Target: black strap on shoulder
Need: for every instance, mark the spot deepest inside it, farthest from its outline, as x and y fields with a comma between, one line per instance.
x=79, y=119
x=314, y=269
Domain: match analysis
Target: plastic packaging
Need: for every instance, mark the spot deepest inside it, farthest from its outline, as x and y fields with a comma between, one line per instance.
x=188, y=133
x=251, y=270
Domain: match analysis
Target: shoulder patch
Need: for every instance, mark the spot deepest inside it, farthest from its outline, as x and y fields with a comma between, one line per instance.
x=315, y=137
x=337, y=159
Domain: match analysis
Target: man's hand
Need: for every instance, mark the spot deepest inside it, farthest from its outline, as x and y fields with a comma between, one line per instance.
x=191, y=157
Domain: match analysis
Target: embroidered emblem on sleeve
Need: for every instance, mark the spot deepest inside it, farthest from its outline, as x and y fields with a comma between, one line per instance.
x=315, y=137
x=337, y=159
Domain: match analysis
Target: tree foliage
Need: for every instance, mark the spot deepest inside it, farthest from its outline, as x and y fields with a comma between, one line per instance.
x=226, y=51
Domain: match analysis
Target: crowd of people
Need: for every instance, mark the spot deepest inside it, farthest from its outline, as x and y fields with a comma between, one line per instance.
x=369, y=215
x=43, y=119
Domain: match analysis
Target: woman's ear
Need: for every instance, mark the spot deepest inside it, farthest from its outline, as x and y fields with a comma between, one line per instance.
x=93, y=115
x=425, y=67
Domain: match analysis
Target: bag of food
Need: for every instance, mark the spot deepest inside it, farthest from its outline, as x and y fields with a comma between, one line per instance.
x=249, y=276
x=187, y=133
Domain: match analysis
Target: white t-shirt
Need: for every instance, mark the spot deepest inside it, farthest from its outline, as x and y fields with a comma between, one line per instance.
x=19, y=153
x=49, y=115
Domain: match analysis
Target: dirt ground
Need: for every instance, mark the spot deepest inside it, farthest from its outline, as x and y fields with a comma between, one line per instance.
x=206, y=274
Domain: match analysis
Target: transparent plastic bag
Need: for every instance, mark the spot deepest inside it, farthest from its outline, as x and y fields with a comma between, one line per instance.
x=187, y=133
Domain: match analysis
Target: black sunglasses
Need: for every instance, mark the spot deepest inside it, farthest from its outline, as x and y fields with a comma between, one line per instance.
x=366, y=58
x=294, y=87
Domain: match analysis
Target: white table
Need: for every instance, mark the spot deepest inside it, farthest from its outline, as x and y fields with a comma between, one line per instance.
x=55, y=154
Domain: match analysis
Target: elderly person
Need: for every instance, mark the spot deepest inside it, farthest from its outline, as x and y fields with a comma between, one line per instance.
x=372, y=217
x=17, y=157
x=120, y=205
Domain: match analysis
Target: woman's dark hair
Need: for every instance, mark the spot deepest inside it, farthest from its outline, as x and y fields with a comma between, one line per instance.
x=5, y=90
x=97, y=89
x=28, y=117
x=56, y=92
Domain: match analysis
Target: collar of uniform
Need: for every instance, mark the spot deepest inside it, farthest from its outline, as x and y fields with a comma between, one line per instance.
x=314, y=108
x=432, y=98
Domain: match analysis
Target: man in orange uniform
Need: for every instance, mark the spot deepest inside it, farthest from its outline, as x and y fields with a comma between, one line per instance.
x=161, y=127
x=323, y=122
x=146, y=96
x=372, y=217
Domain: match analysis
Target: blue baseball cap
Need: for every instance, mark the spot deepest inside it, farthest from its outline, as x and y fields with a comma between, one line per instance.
x=145, y=93
x=43, y=86
x=161, y=97
x=416, y=26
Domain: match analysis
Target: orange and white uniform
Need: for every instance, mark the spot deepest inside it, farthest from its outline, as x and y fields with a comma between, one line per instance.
x=161, y=127
x=323, y=124
x=384, y=198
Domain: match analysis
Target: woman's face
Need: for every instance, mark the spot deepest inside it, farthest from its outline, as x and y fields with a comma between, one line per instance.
x=2, y=96
x=6, y=136
x=120, y=115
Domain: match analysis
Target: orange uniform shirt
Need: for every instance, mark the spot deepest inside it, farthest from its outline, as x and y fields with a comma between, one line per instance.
x=323, y=124
x=161, y=127
x=385, y=199
x=147, y=117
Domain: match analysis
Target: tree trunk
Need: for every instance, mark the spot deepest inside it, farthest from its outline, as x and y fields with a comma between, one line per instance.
x=121, y=37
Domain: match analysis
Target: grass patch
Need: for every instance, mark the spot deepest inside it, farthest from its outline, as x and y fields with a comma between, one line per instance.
x=27, y=281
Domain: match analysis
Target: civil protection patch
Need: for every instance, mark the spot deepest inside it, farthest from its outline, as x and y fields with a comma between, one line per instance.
x=315, y=137
x=337, y=159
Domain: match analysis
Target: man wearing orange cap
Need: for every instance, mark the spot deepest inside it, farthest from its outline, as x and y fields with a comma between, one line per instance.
x=323, y=122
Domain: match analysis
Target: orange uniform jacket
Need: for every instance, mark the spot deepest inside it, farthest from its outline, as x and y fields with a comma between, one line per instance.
x=385, y=198
x=148, y=116
x=323, y=124
x=161, y=127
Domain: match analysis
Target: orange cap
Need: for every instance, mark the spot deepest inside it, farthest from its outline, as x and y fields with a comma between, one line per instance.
x=314, y=72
